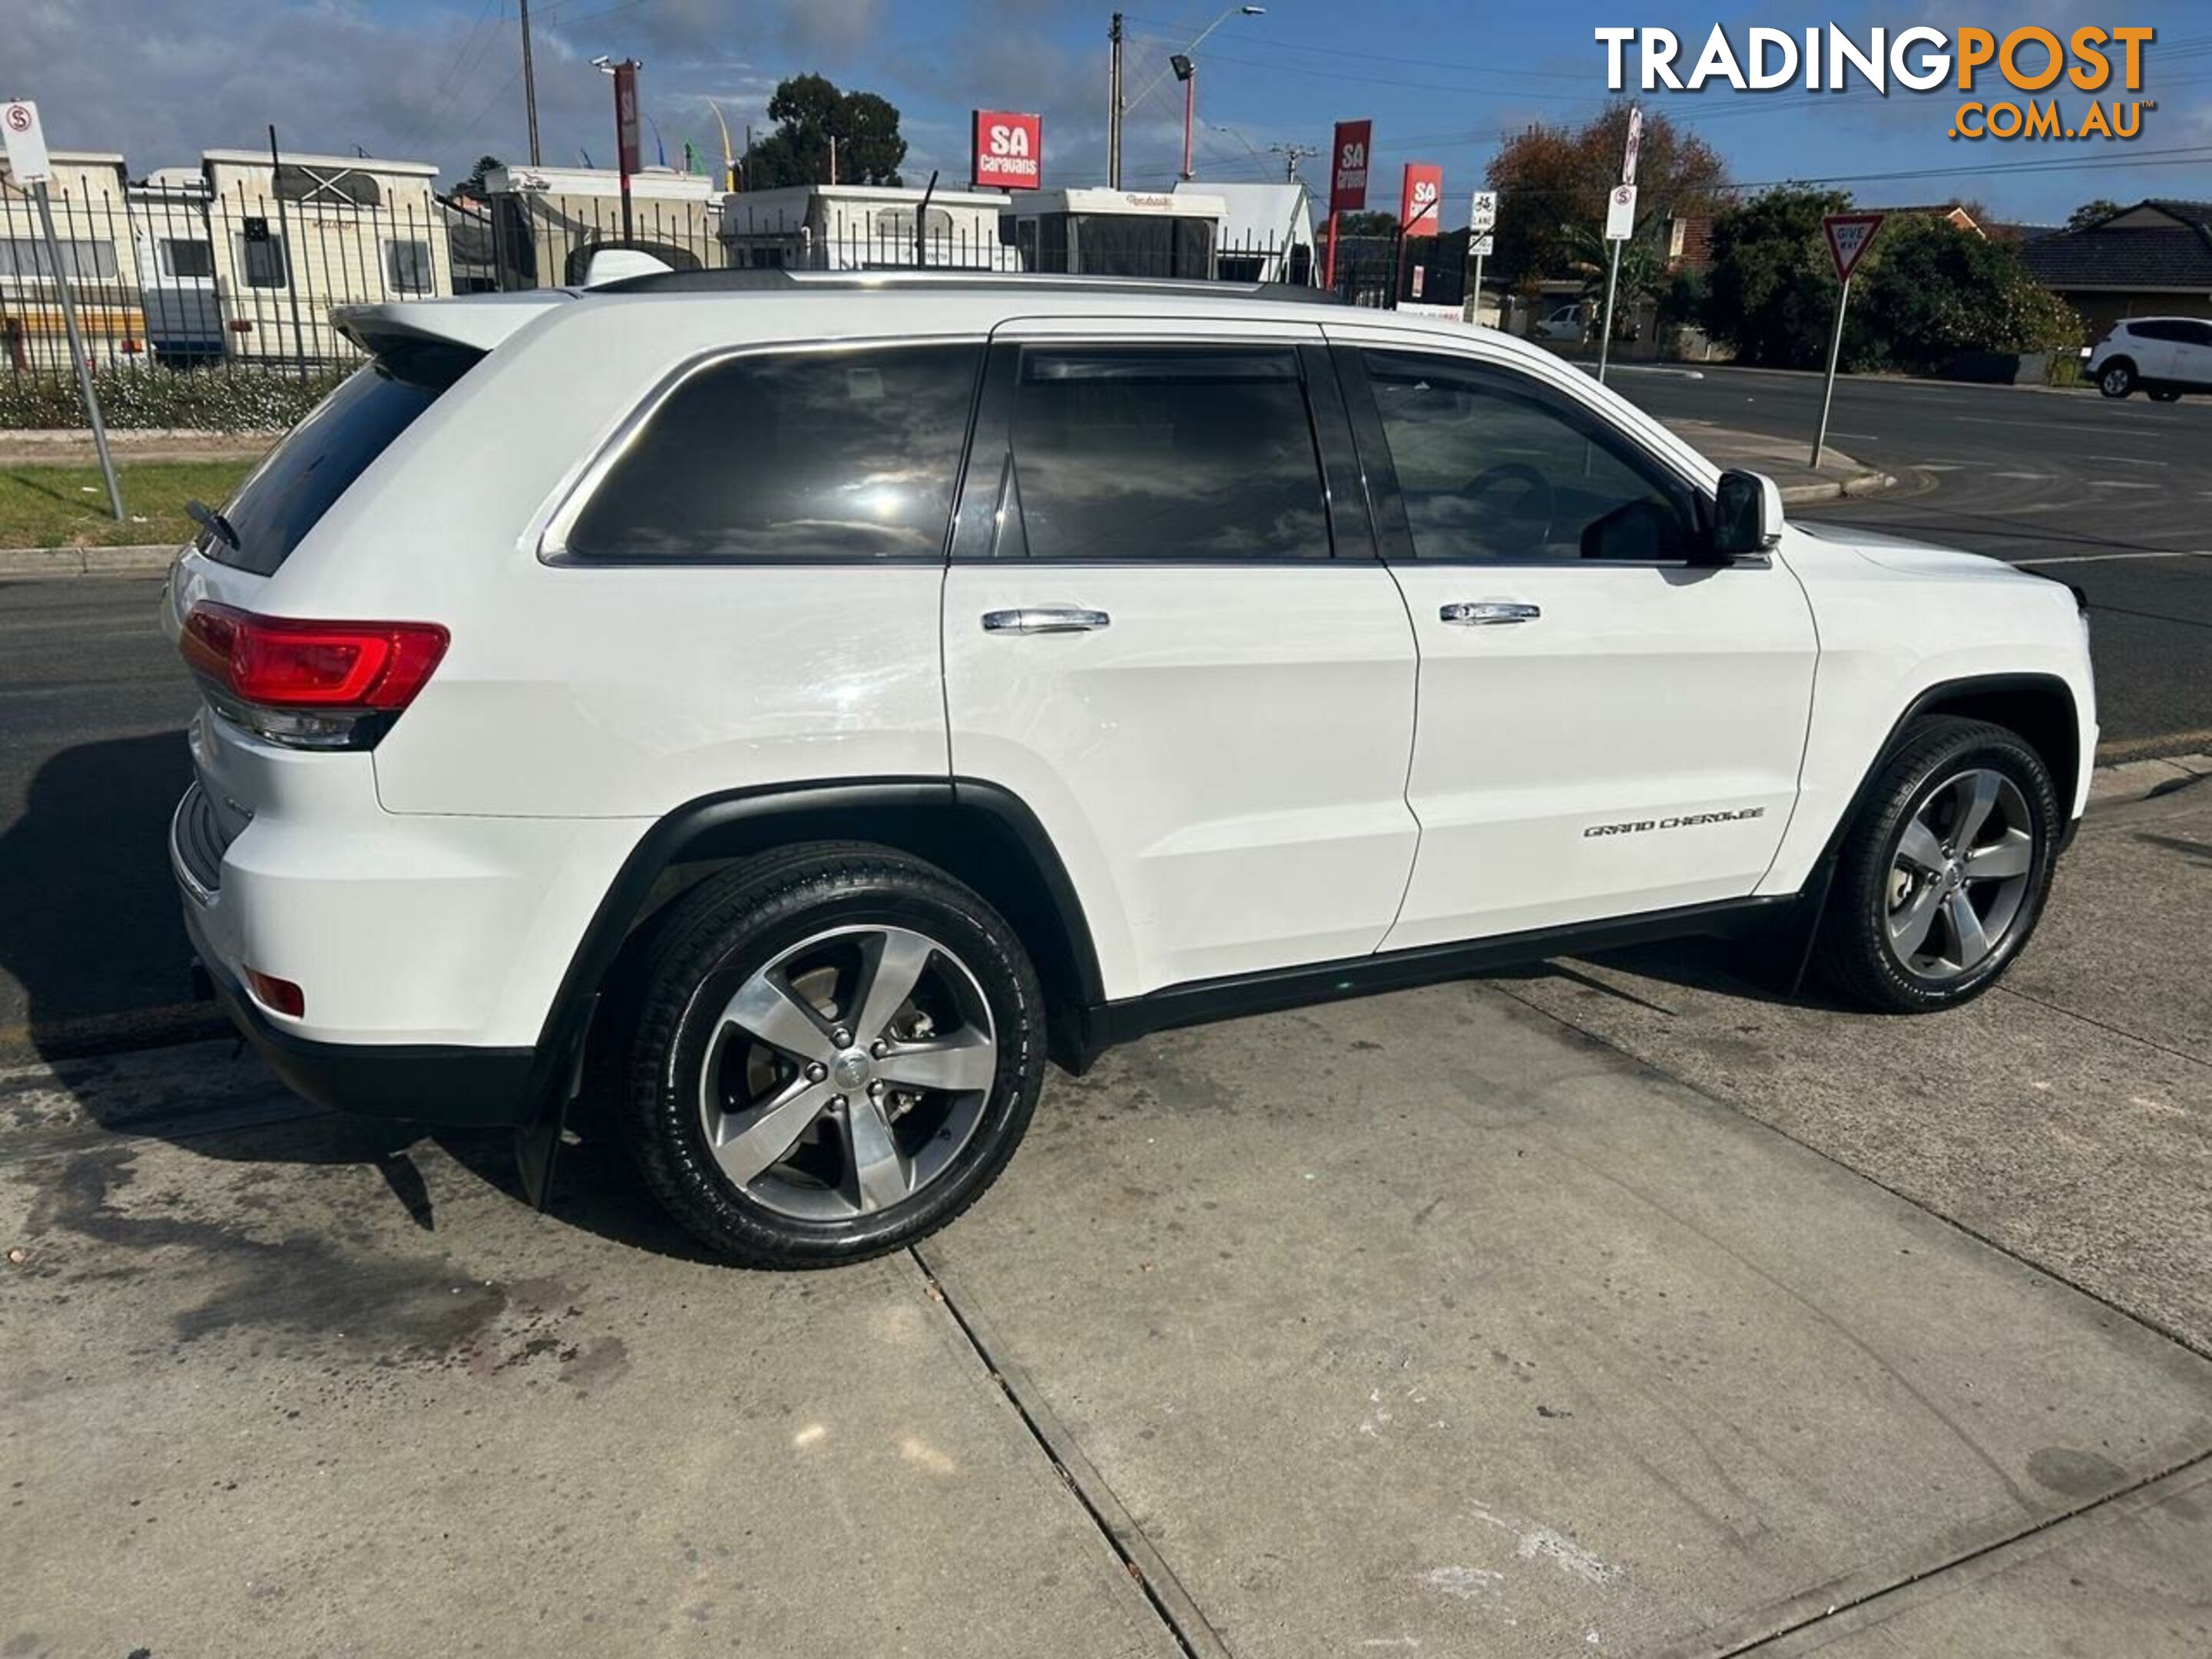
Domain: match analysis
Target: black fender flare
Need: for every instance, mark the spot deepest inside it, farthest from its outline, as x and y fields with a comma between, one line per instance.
x=698, y=823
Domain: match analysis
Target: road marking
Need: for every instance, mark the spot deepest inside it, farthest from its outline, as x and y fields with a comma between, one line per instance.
x=2126, y=460
x=2119, y=483
x=1941, y=466
x=2036, y=476
x=1859, y=437
x=2105, y=431
x=2102, y=558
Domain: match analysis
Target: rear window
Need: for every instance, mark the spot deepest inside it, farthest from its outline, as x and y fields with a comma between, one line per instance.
x=286, y=496
x=831, y=455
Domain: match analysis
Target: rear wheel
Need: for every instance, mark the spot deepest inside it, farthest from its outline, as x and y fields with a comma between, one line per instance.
x=836, y=1050
x=1943, y=878
x=2116, y=378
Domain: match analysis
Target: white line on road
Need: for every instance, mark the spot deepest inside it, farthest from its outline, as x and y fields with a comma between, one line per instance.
x=2101, y=558
x=2126, y=460
x=1941, y=466
x=2032, y=477
x=2104, y=431
x=2119, y=483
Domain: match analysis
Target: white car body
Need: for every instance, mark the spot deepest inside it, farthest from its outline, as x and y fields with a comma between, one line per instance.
x=1252, y=771
x=2162, y=355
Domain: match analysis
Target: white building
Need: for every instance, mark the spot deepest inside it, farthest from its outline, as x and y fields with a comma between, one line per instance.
x=546, y=222
x=865, y=227
x=1267, y=231
x=1117, y=232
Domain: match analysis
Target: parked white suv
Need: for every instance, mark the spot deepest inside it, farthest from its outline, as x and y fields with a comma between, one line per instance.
x=797, y=704
x=2164, y=356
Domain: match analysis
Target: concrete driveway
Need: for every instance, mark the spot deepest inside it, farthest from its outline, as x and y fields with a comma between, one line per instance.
x=1616, y=1308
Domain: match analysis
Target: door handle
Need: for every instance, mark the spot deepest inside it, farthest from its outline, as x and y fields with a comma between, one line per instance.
x=1045, y=619
x=1489, y=613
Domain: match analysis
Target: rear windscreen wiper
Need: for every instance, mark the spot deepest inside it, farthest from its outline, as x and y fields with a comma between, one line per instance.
x=213, y=522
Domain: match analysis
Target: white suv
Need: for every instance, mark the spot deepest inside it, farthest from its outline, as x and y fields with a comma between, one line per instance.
x=2164, y=356
x=789, y=707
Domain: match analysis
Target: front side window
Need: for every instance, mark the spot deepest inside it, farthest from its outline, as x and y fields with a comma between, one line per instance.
x=1492, y=465
x=407, y=266
x=1177, y=453
x=262, y=260
x=843, y=455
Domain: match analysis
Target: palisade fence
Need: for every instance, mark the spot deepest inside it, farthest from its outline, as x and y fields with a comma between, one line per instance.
x=178, y=277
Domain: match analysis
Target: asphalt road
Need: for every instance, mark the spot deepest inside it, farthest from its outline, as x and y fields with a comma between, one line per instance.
x=2114, y=497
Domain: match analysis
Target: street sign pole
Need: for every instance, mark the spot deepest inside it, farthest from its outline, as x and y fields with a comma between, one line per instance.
x=1828, y=388
x=1481, y=217
x=1849, y=236
x=1605, y=336
x=76, y=350
x=29, y=165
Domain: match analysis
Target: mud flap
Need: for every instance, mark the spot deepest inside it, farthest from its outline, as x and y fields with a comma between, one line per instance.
x=537, y=1143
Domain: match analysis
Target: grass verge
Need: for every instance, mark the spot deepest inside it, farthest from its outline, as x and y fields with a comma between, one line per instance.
x=67, y=505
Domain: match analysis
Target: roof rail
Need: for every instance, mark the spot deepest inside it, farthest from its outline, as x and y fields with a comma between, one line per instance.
x=956, y=281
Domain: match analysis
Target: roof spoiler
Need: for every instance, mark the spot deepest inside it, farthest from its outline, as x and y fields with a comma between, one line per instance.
x=472, y=322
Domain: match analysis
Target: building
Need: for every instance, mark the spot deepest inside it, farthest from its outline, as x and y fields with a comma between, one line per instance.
x=294, y=237
x=92, y=230
x=546, y=222
x=2153, y=260
x=1115, y=232
x=1266, y=233
x=866, y=228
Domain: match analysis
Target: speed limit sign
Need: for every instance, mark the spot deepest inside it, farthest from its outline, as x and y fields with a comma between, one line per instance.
x=26, y=143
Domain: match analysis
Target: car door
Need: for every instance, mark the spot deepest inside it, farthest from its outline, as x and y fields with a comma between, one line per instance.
x=1605, y=727
x=2192, y=356
x=1166, y=632
x=2153, y=345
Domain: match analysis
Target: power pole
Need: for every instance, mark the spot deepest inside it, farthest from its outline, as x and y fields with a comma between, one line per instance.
x=1114, y=104
x=529, y=83
x=1292, y=154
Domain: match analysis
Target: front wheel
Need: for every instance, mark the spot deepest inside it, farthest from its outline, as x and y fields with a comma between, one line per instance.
x=2117, y=379
x=1943, y=876
x=837, y=1049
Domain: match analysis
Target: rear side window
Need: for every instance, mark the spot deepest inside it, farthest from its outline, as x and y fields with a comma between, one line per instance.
x=286, y=496
x=1200, y=452
x=837, y=455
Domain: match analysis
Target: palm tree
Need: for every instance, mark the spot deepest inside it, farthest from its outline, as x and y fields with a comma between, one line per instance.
x=1642, y=268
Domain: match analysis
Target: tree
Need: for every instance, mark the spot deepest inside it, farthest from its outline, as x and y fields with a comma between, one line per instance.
x=1549, y=177
x=474, y=184
x=1590, y=256
x=1772, y=294
x=2090, y=212
x=1366, y=224
x=1935, y=291
x=809, y=113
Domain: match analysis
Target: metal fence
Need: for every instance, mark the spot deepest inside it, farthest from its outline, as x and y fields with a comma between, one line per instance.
x=183, y=277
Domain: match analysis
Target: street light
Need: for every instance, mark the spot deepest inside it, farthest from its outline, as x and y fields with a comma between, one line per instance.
x=1184, y=65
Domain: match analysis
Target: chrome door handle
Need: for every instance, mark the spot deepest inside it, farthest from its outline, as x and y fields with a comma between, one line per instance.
x=1488, y=613
x=1045, y=619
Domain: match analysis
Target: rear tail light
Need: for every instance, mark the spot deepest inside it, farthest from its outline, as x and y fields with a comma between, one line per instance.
x=310, y=685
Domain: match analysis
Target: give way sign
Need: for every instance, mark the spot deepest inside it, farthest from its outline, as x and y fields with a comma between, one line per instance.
x=1849, y=235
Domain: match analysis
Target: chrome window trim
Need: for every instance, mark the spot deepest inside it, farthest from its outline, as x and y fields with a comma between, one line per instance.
x=575, y=493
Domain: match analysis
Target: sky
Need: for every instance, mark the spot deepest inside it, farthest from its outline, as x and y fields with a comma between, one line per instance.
x=441, y=81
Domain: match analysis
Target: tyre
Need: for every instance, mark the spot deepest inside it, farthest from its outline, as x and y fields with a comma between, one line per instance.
x=1943, y=876
x=2165, y=394
x=2116, y=378
x=834, y=1049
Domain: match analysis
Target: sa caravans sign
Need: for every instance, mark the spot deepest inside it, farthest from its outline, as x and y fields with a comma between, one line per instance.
x=1009, y=150
x=1347, y=174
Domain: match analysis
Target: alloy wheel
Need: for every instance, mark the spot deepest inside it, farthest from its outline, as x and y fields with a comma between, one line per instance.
x=1960, y=876
x=847, y=1073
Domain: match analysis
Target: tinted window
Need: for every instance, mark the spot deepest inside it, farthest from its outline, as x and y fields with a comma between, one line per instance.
x=1492, y=465
x=2196, y=334
x=289, y=493
x=799, y=455
x=1197, y=453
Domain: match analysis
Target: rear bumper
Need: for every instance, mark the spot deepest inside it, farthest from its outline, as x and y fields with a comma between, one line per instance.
x=424, y=1083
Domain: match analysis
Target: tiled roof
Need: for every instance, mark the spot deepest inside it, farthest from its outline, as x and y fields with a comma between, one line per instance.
x=2162, y=257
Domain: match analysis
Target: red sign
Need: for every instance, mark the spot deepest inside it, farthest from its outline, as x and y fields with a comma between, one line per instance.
x=1849, y=236
x=1421, y=199
x=1347, y=181
x=1009, y=150
x=626, y=116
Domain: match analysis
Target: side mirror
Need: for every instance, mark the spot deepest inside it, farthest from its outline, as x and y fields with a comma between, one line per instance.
x=1746, y=516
